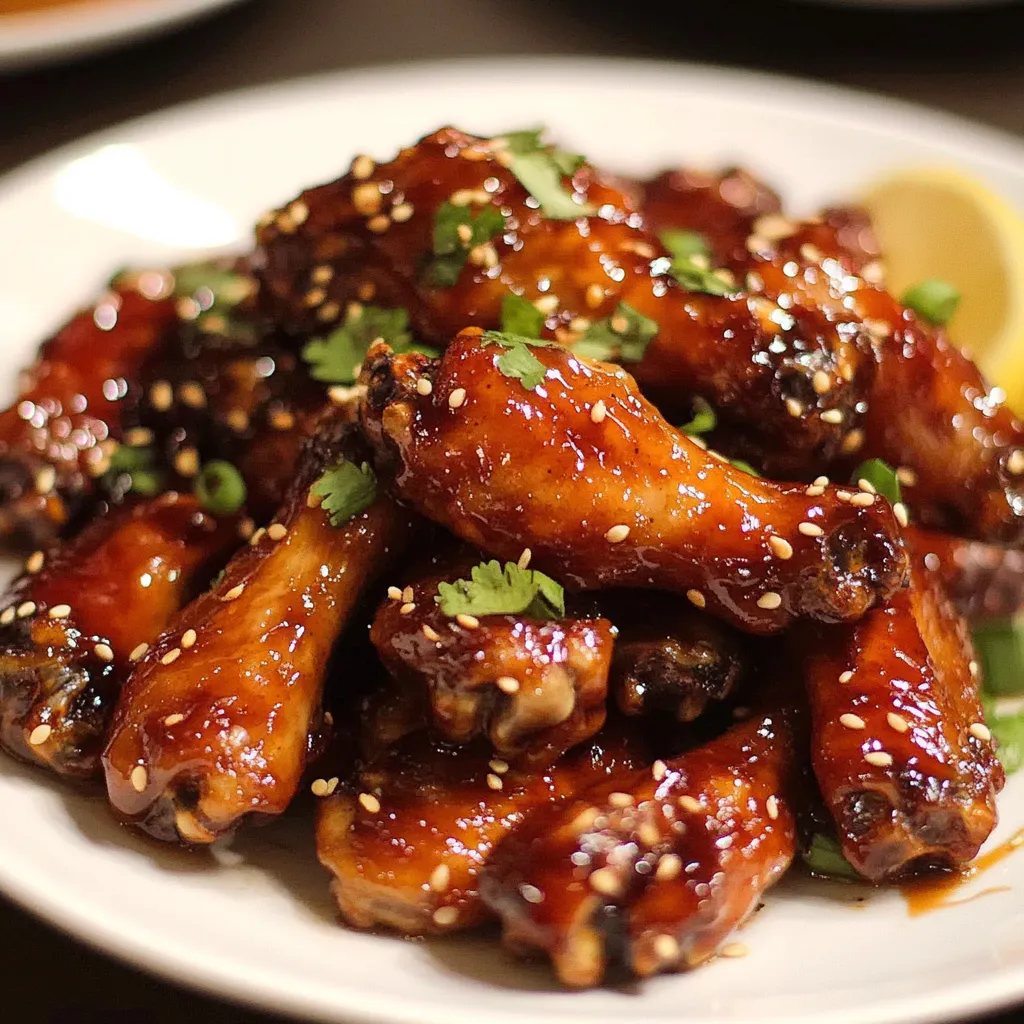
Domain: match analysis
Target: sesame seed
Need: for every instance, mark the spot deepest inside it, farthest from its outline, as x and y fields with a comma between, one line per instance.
x=379, y=224
x=366, y=199
x=234, y=592
x=794, y=407
x=899, y=510
x=493, y=782
x=138, y=652
x=973, y=667
x=395, y=593
x=862, y=500
x=7, y=616
x=174, y=719
x=867, y=486
x=691, y=804
x=332, y=782
x=598, y=411
x=755, y=243
x=424, y=387
x=171, y=656
x=524, y=558
x=257, y=536
x=507, y=684
x=188, y=639
x=161, y=395
x=774, y=227
x=440, y=878
x=369, y=803
x=319, y=787
x=138, y=437
x=668, y=867
x=878, y=758
x=366, y=291
x=617, y=534
x=39, y=735
x=810, y=530
x=467, y=621
x=464, y=233
x=186, y=462
x=139, y=778
x=35, y=561
x=734, y=951
x=821, y=382
x=832, y=416
x=431, y=634
x=666, y=948
x=408, y=608
x=897, y=722
x=328, y=311
x=606, y=881
x=845, y=677
x=620, y=800
x=780, y=547
x=851, y=721
x=362, y=167
x=852, y=442
x=906, y=476
x=59, y=611
x=46, y=479
x=980, y=731
x=594, y=296
x=771, y=805
x=658, y=770
x=821, y=481
x=769, y=601
x=401, y=212
x=277, y=531
x=814, y=491
x=104, y=652
x=322, y=274
x=192, y=394
x=619, y=324
x=445, y=917
x=25, y=609
x=1015, y=463
x=546, y=304
x=811, y=253
x=408, y=594
x=579, y=324
x=237, y=420
x=695, y=597
x=498, y=766
x=456, y=398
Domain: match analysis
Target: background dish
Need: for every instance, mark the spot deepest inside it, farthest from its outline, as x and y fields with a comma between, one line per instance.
x=52, y=33
x=255, y=921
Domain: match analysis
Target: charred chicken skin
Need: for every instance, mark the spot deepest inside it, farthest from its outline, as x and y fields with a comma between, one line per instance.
x=620, y=499
x=660, y=865
x=901, y=752
x=214, y=723
x=406, y=843
x=72, y=626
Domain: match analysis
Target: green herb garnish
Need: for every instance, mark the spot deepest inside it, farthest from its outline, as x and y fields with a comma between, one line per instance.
x=212, y=294
x=456, y=232
x=540, y=169
x=704, y=419
x=337, y=357
x=219, y=488
x=684, y=245
x=825, y=857
x=134, y=470
x=1000, y=647
x=697, y=278
x=744, y=467
x=346, y=491
x=882, y=477
x=491, y=590
x=935, y=301
x=521, y=317
x=518, y=360
x=624, y=336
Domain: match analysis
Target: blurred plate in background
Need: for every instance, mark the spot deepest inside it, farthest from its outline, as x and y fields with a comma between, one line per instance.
x=47, y=30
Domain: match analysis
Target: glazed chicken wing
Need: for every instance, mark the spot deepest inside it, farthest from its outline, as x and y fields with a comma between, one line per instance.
x=373, y=235
x=901, y=752
x=213, y=724
x=73, y=623
x=657, y=867
x=616, y=497
x=407, y=842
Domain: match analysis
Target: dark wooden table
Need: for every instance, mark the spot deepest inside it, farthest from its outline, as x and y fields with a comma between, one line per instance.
x=971, y=63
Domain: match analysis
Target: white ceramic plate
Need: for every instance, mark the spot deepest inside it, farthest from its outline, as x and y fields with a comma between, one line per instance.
x=52, y=33
x=255, y=923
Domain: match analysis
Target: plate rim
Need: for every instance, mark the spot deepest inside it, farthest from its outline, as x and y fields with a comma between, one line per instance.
x=140, y=948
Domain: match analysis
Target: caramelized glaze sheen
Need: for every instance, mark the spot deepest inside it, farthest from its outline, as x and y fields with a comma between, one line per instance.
x=510, y=469
x=934, y=804
x=123, y=578
x=442, y=807
x=219, y=730
x=656, y=867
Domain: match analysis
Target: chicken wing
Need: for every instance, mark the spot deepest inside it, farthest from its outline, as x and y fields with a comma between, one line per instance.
x=213, y=724
x=658, y=866
x=407, y=842
x=72, y=625
x=56, y=437
x=616, y=497
x=901, y=752
x=534, y=687
x=373, y=235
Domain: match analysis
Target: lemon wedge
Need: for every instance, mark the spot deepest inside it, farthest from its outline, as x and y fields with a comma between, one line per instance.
x=935, y=223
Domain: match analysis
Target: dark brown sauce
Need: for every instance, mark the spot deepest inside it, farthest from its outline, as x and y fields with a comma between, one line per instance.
x=925, y=895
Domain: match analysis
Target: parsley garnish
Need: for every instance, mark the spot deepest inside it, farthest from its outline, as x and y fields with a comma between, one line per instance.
x=684, y=245
x=540, y=169
x=881, y=476
x=347, y=490
x=217, y=292
x=623, y=336
x=336, y=358
x=517, y=360
x=520, y=316
x=451, y=249
x=704, y=419
x=133, y=470
x=492, y=590
x=936, y=301
x=825, y=857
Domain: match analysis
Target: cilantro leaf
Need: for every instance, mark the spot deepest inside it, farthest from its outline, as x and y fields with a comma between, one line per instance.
x=540, y=169
x=212, y=293
x=743, y=467
x=934, y=300
x=623, y=336
x=684, y=245
x=456, y=232
x=133, y=470
x=695, y=277
x=520, y=316
x=518, y=360
x=825, y=857
x=704, y=419
x=335, y=358
x=347, y=490
x=491, y=590
x=1000, y=646
x=882, y=477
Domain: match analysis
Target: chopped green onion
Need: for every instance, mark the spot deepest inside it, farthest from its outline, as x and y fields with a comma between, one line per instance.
x=220, y=488
x=684, y=245
x=825, y=857
x=935, y=301
x=1000, y=647
x=704, y=419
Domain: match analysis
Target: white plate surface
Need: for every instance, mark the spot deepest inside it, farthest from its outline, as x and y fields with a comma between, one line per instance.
x=36, y=37
x=257, y=924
